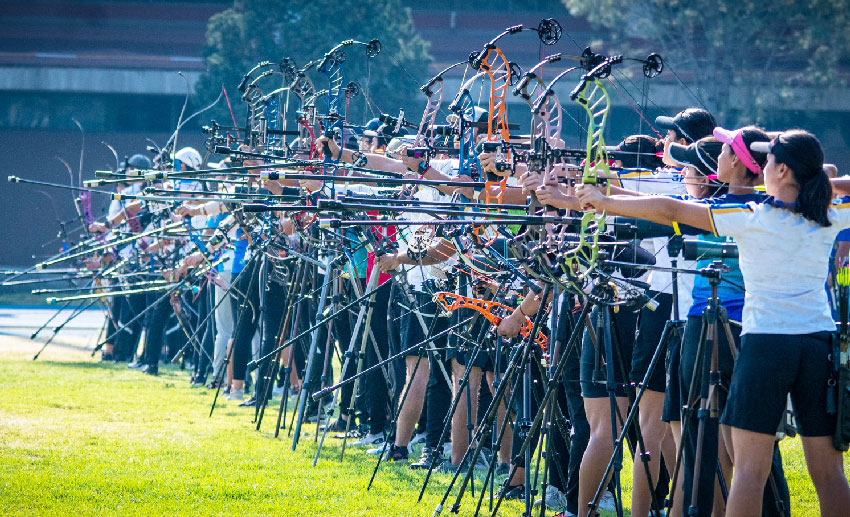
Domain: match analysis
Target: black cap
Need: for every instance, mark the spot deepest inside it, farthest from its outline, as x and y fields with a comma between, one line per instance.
x=701, y=155
x=691, y=124
x=637, y=150
x=138, y=161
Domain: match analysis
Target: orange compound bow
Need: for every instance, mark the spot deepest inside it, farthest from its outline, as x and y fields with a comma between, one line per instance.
x=452, y=302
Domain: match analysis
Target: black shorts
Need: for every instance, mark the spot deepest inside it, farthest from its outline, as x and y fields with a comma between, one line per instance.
x=650, y=328
x=467, y=343
x=672, y=411
x=769, y=367
x=409, y=325
x=624, y=323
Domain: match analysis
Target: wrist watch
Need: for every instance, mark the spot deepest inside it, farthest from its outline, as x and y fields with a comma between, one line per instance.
x=423, y=166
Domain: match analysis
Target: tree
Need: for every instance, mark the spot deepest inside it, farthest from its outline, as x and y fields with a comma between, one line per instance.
x=269, y=30
x=741, y=54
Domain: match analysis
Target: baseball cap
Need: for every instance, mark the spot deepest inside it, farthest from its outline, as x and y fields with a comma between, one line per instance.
x=735, y=139
x=692, y=123
x=701, y=155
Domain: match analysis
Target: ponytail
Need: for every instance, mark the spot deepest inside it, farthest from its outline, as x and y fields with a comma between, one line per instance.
x=802, y=153
x=815, y=197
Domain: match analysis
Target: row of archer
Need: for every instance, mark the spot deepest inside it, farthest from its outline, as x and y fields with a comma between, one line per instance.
x=513, y=248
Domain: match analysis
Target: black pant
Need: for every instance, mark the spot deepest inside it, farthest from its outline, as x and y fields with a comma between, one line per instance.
x=206, y=332
x=155, y=321
x=579, y=426
x=246, y=320
x=127, y=340
x=376, y=388
x=275, y=302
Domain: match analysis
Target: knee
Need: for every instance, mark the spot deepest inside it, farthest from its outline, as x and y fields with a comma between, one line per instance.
x=826, y=474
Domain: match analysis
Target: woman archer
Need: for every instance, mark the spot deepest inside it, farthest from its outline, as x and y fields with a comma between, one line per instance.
x=783, y=246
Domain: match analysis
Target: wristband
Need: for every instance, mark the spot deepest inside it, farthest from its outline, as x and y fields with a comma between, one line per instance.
x=423, y=168
x=519, y=308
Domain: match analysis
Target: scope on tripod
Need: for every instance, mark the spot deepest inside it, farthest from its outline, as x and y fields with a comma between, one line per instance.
x=630, y=228
x=695, y=249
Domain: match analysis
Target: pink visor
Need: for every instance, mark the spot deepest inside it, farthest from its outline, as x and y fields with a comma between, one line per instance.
x=735, y=139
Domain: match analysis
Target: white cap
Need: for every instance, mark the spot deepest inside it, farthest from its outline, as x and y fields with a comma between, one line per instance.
x=189, y=156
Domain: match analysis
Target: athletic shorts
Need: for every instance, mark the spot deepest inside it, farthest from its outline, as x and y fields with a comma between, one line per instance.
x=650, y=328
x=672, y=411
x=594, y=383
x=769, y=367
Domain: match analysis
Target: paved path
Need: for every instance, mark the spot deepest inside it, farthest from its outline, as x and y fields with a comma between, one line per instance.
x=23, y=321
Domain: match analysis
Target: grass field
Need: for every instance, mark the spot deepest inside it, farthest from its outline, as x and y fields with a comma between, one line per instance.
x=79, y=436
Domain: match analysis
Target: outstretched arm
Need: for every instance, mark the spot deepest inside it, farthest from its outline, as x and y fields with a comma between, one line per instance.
x=658, y=209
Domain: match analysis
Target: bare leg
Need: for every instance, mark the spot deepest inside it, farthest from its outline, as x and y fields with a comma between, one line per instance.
x=408, y=413
x=599, y=448
x=669, y=448
x=752, y=459
x=460, y=434
x=654, y=431
x=826, y=467
x=725, y=460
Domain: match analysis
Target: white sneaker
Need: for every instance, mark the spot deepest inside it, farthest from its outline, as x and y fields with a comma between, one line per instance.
x=369, y=439
x=236, y=395
x=607, y=503
x=555, y=500
x=376, y=451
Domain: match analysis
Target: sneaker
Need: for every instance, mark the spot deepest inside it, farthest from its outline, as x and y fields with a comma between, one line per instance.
x=107, y=357
x=138, y=364
x=235, y=395
x=429, y=458
x=213, y=385
x=352, y=433
x=555, y=500
x=251, y=402
x=198, y=381
x=448, y=468
x=447, y=449
x=369, y=439
x=150, y=369
x=397, y=454
x=337, y=426
x=376, y=451
x=607, y=503
x=483, y=461
x=502, y=470
x=512, y=492
x=417, y=438
x=356, y=431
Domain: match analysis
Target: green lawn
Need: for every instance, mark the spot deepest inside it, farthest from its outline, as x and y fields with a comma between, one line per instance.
x=76, y=435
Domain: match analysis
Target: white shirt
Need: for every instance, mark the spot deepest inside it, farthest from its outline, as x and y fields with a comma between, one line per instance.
x=785, y=260
x=417, y=275
x=667, y=182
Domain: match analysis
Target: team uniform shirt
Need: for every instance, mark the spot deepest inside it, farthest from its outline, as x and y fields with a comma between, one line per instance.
x=729, y=291
x=418, y=274
x=665, y=182
x=362, y=261
x=784, y=258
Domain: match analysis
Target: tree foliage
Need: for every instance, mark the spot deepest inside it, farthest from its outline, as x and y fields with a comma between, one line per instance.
x=269, y=30
x=740, y=53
